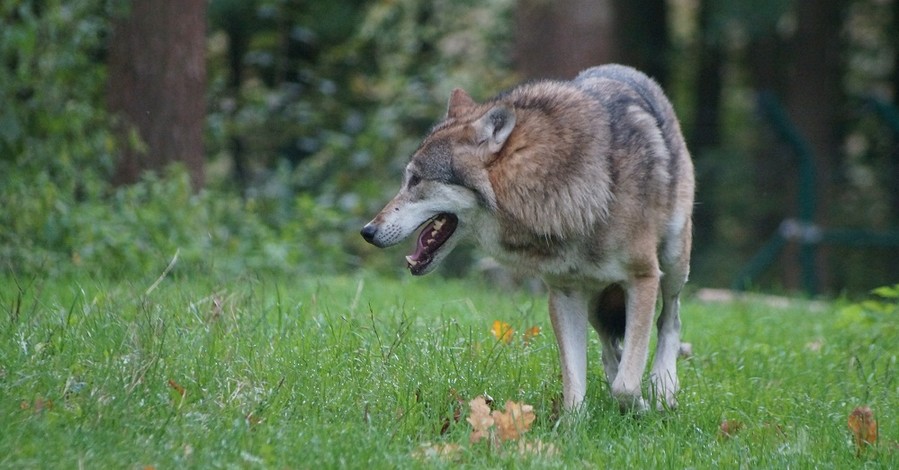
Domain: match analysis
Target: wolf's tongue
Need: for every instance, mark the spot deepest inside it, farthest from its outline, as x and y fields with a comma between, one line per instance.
x=434, y=234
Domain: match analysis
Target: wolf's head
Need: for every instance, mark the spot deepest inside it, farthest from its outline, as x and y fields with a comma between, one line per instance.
x=446, y=182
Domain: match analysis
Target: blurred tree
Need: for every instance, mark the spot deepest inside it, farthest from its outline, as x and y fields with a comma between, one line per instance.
x=559, y=39
x=894, y=155
x=157, y=84
x=642, y=36
x=705, y=131
x=773, y=167
x=238, y=20
x=816, y=99
x=706, y=128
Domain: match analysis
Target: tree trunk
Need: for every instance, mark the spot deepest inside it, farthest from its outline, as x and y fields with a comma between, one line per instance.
x=706, y=128
x=641, y=30
x=558, y=39
x=816, y=100
x=157, y=80
x=894, y=155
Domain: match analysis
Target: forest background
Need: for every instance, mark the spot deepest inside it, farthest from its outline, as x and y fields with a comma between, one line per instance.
x=260, y=135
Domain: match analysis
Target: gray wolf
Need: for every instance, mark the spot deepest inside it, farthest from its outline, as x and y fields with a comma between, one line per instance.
x=586, y=183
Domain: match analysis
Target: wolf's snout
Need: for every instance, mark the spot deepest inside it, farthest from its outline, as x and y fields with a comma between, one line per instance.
x=368, y=233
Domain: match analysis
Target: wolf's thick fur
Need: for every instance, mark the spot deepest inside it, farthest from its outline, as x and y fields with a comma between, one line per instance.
x=586, y=183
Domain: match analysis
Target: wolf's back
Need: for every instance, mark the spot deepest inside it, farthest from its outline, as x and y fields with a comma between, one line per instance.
x=616, y=86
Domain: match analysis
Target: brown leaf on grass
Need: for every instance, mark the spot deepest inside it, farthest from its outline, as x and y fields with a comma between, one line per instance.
x=40, y=404
x=479, y=418
x=530, y=334
x=729, y=428
x=433, y=451
x=502, y=331
x=177, y=387
x=516, y=420
x=536, y=447
x=863, y=427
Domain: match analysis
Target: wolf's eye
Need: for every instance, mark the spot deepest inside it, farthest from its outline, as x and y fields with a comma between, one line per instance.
x=414, y=180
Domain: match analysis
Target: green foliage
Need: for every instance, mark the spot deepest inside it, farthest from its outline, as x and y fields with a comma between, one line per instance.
x=60, y=215
x=346, y=102
x=407, y=56
x=55, y=147
x=53, y=129
x=139, y=229
x=878, y=316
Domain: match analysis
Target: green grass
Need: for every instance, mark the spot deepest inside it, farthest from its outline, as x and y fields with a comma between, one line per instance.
x=361, y=372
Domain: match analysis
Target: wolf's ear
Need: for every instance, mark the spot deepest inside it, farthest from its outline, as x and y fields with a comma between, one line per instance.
x=459, y=101
x=494, y=127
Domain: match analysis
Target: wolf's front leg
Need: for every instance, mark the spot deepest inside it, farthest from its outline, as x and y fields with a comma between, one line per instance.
x=568, y=313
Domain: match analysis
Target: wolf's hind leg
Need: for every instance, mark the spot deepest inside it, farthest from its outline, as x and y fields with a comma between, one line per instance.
x=664, y=368
x=641, y=299
x=663, y=376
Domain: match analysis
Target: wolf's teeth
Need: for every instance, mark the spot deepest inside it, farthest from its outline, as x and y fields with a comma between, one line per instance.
x=411, y=261
x=439, y=223
x=434, y=233
x=430, y=241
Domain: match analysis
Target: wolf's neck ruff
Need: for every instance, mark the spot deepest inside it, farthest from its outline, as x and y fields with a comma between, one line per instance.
x=434, y=234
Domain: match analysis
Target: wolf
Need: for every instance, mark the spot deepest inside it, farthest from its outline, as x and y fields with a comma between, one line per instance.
x=587, y=184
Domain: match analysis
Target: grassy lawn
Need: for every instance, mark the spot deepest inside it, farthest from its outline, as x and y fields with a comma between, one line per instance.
x=370, y=372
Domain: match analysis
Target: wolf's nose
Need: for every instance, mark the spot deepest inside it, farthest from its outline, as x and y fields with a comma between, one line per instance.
x=368, y=232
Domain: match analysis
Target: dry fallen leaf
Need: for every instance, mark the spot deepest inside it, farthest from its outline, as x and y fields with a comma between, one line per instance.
x=729, y=428
x=431, y=451
x=502, y=331
x=479, y=418
x=515, y=421
x=177, y=387
x=531, y=333
x=536, y=447
x=863, y=427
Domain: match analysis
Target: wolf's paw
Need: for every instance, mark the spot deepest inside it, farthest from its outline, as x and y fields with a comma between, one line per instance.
x=629, y=400
x=664, y=389
x=635, y=405
x=666, y=403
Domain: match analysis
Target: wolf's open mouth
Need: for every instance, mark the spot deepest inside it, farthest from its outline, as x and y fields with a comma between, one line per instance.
x=434, y=234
